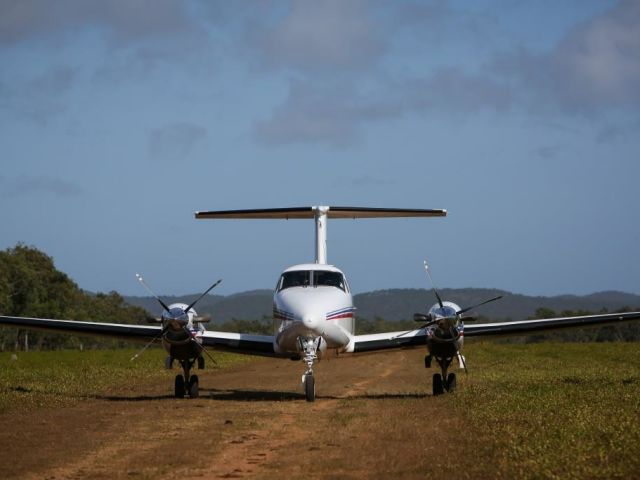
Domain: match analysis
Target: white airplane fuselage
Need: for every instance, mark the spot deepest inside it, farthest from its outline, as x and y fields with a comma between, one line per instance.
x=310, y=301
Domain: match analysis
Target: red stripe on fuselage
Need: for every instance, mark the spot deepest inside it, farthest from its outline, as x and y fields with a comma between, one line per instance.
x=344, y=315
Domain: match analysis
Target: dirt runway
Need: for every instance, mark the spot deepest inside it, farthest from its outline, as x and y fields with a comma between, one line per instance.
x=374, y=417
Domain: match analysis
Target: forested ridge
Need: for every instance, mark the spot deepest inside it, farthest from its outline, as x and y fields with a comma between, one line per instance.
x=31, y=286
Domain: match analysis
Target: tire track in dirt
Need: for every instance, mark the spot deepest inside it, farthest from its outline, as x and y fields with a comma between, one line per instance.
x=246, y=455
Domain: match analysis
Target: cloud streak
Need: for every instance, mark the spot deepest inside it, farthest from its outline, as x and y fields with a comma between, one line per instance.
x=29, y=185
x=320, y=113
x=124, y=21
x=318, y=37
x=176, y=141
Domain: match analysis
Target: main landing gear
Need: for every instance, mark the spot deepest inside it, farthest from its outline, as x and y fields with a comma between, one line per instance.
x=442, y=381
x=186, y=384
x=309, y=348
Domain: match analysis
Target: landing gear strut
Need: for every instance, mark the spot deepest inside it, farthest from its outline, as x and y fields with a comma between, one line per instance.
x=309, y=348
x=186, y=384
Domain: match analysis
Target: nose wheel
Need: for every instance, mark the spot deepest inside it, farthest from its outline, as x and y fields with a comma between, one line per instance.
x=309, y=387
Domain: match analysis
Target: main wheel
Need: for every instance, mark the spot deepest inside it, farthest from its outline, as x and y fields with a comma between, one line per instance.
x=438, y=387
x=193, y=387
x=451, y=382
x=310, y=388
x=179, y=384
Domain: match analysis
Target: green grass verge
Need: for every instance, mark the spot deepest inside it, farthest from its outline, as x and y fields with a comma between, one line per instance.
x=57, y=378
x=554, y=410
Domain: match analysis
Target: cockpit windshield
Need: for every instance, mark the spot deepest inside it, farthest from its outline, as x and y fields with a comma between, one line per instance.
x=299, y=278
x=444, y=312
x=328, y=279
x=315, y=278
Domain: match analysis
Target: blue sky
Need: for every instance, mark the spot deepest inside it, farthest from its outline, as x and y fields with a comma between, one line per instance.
x=119, y=119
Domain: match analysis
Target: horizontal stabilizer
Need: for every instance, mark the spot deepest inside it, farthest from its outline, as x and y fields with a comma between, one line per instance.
x=332, y=212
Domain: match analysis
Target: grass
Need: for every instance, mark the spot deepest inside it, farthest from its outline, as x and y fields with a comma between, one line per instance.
x=545, y=410
x=554, y=410
x=58, y=378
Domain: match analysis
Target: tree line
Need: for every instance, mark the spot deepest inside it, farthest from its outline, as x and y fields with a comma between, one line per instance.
x=31, y=286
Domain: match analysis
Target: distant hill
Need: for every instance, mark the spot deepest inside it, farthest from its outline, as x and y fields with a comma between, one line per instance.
x=401, y=304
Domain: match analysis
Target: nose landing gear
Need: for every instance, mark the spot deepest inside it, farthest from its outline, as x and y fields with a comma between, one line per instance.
x=309, y=348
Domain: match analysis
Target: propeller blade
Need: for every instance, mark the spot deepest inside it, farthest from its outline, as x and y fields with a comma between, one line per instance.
x=428, y=324
x=200, y=297
x=208, y=354
x=433, y=285
x=144, y=284
x=410, y=331
x=460, y=312
x=463, y=361
x=146, y=346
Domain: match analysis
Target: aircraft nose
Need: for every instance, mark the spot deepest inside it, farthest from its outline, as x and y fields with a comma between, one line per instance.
x=311, y=322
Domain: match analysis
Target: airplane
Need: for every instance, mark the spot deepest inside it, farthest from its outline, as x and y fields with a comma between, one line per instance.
x=314, y=314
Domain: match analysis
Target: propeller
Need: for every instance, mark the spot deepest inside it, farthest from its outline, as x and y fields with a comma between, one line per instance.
x=198, y=319
x=428, y=320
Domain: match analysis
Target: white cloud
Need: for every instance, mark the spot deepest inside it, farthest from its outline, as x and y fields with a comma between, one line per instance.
x=595, y=66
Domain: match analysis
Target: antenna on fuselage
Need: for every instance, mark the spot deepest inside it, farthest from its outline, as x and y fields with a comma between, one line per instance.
x=320, y=214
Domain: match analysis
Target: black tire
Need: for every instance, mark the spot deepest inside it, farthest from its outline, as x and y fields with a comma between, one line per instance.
x=438, y=386
x=451, y=382
x=200, y=363
x=179, y=386
x=310, y=388
x=194, y=390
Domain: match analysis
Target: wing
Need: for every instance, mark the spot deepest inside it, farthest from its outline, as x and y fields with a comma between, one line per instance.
x=119, y=331
x=262, y=345
x=230, y=342
x=387, y=341
x=416, y=338
x=525, y=327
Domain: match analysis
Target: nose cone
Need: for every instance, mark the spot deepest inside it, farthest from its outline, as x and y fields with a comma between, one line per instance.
x=311, y=322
